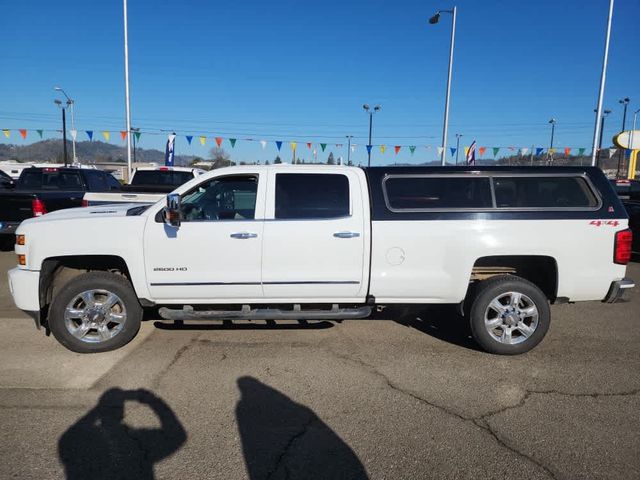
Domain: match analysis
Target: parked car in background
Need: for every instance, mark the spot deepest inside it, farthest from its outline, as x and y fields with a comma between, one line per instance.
x=148, y=185
x=626, y=188
x=633, y=209
x=42, y=190
x=6, y=182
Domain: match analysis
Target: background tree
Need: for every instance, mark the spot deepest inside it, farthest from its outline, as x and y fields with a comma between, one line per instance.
x=278, y=159
x=220, y=158
x=331, y=160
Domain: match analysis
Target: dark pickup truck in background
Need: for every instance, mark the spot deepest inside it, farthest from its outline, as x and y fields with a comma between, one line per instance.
x=42, y=190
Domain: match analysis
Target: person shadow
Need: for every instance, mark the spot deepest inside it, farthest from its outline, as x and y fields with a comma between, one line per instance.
x=284, y=439
x=101, y=446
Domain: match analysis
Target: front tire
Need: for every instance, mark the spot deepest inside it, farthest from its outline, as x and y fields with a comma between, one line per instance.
x=95, y=312
x=509, y=315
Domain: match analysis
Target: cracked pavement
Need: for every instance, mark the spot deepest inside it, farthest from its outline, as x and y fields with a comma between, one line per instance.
x=382, y=399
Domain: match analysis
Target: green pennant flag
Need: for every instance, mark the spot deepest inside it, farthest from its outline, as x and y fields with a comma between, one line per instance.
x=232, y=141
x=40, y=132
x=137, y=135
x=412, y=149
x=495, y=150
x=581, y=151
x=323, y=146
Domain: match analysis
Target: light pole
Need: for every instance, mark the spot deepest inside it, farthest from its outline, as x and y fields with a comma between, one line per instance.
x=370, y=112
x=64, y=128
x=433, y=20
x=603, y=77
x=70, y=102
x=349, y=137
x=553, y=131
x=601, y=124
x=126, y=89
x=458, y=135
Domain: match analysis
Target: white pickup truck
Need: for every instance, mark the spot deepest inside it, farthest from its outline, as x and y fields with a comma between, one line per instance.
x=330, y=242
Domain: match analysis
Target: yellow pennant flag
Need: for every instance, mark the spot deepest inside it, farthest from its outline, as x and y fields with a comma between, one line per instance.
x=106, y=135
x=6, y=132
x=466, y=150
x=203, y=140
x=552, y=151
x=382, y=148
x=293, y=145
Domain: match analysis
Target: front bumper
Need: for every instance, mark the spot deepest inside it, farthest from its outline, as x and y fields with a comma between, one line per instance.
x=25, y=289
x=617, y=290
x=8, y=228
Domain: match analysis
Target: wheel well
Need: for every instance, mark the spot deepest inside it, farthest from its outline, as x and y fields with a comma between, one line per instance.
x=57, y=271
x=538, y=269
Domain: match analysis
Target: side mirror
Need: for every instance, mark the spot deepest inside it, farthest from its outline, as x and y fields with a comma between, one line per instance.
x=172, y=211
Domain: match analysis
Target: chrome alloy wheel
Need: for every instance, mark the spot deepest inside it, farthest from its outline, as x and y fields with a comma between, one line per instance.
x=511, y=318
x=95, y=316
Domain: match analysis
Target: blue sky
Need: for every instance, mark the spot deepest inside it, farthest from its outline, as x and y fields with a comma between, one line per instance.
x=301, y=70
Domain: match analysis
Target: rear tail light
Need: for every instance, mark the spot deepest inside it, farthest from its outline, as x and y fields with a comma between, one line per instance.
x=85, y=203
x=622, y=247
x=38, y=208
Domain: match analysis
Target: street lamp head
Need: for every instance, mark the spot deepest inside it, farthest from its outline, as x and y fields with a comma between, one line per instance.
x=433, y=20
x=57, y=102
x=377, y=108
x=552, y=121
x=607, y=112
x=624, y=101
x=366, y=106
x=57, y=89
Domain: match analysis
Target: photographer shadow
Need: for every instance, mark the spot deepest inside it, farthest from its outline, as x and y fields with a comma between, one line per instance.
x=101, y=446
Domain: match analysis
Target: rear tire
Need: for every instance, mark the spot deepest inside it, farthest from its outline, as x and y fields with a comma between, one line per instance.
x=509, y=315
x=95, y=312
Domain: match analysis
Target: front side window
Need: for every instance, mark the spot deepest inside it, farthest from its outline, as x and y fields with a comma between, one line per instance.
x=438, y=193
x=225, y=198
x=311, y=196
x=543, y=192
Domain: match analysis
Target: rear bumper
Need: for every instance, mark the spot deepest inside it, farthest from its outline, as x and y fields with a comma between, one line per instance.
x=8, y=228
x=617, y=290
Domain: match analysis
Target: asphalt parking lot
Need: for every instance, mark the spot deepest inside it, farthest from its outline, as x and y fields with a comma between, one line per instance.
x=405, y=398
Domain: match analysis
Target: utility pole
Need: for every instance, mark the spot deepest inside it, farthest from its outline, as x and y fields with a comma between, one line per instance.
x=349, y=137
x=458, y=135
x=126, y=89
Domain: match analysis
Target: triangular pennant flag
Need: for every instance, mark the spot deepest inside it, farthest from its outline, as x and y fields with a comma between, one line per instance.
x=567, y=151
x=481, y=150
x=294, y=145
x=40, y=132
x=539, y=151
x=440, y=150
x=137, y=135
x=466, y=151
x=106, y=134
x=123, y=134
x=218, y=141
x=309, y=145
x=383, y=148
x=397, y=148
x=189, y=138
x=369, y=149
x=353, y=148
x=495, y=151
x=453, y=150
x=551, y=151
x=263, y=144
x=6, y=132
x=202, y=139
x=74, y=134
x=612, y=152
x=323, y=146
x=89, y=134
x=412, y=149
x=524, y=151
x=278, y=144
x=232, y=141
x=338, y=145
x=581, y=151
x=23, y=132
x=512, y=148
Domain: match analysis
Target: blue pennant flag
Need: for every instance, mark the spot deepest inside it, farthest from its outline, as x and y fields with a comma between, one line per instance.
x=369, y=147
x=453, y=150
x=279, y=144
x=89, y=134
x=539, y=151
x=189, y=138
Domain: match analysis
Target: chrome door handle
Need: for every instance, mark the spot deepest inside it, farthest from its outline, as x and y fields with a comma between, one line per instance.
x=243, y=235
x=346, y=234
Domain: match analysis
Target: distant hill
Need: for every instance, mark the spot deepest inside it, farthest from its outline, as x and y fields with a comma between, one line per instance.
x=87, y=152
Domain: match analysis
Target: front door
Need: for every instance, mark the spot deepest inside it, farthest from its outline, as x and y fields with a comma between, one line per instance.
x=215, y=254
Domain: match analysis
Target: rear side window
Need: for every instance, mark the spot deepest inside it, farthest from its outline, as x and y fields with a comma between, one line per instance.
x=311, y=196
x=543, y=192
x=423, y=193
x=161, y=177
x=112, y=183
x=96, y=181
x=51, y=179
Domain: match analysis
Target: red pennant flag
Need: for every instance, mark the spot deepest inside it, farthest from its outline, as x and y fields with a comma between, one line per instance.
x=397, y=148
x=481, y=150
x=567, y=151
x=123, y=134
x=309, y=145
x=23, y=132
x=219, y=141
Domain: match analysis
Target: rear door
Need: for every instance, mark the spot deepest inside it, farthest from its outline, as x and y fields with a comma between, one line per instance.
x=314, y=235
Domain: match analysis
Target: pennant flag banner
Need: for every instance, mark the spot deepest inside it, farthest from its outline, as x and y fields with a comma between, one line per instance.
x=322, y=146
x=218, y=141
x=495, y=151
x=263, y=144
x=524, y=150
x=369, y=149
x=106, y=135
x=279, y=144
x=412, y=149
x=6, y=132
x=137, y=136
x=481, y=150
x=397, y=148
x=338, y=145
x=551, y=151
x=353, y=148
x=23, y=133
x=89, y=134
x=309, y=145
x=189, y=138
x=74, y=134
x=123, y=134
x=383, y=148
x=453, y=150
x=40, y=132
x=567, y=151
x=612, y=152
x=466, y=151
x=202, y=139
x=440, y=150
x=539, y=151
x=232, y=141
x=580, y=151
x=294, y=145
